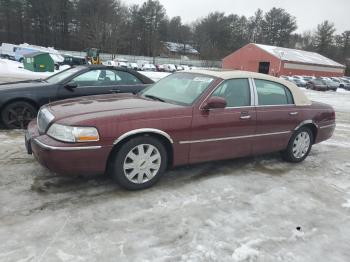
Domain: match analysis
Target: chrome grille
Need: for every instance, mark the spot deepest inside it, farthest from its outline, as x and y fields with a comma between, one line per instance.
x=44, y=119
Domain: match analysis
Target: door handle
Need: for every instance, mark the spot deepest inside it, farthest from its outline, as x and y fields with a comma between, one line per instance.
x=294, y=113
x=245, y=117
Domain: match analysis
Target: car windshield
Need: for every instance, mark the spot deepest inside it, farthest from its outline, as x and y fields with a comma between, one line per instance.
x=56, y=78
x=180, y=88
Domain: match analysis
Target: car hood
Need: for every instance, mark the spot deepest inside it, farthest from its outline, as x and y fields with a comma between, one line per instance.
x=103, y=105
x=19, y=85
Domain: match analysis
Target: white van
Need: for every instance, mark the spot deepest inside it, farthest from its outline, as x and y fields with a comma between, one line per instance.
x=8, y=51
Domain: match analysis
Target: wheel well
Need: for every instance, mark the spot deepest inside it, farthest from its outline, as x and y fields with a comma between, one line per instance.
x=168, y=146
x=313, y=129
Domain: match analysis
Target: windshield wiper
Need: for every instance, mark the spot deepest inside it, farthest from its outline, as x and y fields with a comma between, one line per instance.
x=154, y=98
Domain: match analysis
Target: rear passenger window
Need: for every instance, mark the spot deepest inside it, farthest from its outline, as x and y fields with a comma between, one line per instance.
x=272, y=93
x=235, y=91
x=125, y=78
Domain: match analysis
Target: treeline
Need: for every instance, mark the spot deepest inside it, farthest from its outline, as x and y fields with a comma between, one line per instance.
x=116, y=27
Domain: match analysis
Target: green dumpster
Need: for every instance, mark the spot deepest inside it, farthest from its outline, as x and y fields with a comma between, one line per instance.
x=38, y=62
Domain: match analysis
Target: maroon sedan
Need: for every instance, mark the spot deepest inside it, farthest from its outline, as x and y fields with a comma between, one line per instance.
x=184, y=118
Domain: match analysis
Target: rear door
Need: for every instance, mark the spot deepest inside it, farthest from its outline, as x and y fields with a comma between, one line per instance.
x=276, y=114
x=228, y=132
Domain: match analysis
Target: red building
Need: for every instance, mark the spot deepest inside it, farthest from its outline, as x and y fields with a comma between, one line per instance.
x=278, y=61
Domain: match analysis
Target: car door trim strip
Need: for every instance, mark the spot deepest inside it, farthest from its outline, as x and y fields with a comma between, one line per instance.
x=232, y=138
x=327, y=126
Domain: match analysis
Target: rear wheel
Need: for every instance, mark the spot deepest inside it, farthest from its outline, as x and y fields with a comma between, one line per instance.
x=299, y=146
x=17, y=115
x=139, y=163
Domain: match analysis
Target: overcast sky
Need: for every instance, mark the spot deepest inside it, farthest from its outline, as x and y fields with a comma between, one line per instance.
x=309, y=13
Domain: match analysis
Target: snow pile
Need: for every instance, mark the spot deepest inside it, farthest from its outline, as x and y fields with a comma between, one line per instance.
x=245, y=253
x=14, y=69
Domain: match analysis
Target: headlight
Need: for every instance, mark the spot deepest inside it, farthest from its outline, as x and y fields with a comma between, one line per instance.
x=73, y=134
x=44, y=119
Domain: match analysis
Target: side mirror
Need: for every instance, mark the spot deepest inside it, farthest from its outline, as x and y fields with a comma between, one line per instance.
x=215, y=102
x=71, y=85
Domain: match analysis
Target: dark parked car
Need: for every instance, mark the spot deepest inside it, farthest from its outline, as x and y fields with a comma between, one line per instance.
x=74, y=60
x=184, y=118
x=341, y=83
x=20, y=101
x=317, y=84
x=331, y=85
x=298, y=82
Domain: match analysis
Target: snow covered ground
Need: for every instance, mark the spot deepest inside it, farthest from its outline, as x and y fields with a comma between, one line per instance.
x=14, y=71
x=243, y=210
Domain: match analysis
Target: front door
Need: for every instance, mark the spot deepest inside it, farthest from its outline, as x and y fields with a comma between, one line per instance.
x=101, y=81
x=228, y=132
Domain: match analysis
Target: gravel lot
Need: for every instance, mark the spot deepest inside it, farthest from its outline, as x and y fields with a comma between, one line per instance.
x=237, y=210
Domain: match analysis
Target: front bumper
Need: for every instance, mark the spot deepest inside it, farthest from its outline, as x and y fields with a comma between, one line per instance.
x=66, y=158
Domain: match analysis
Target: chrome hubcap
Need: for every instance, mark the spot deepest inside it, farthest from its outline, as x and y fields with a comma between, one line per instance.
x=142, y=163
x=301, y=145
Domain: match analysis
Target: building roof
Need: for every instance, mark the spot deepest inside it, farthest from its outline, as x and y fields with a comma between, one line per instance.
x=180, y=48
x=299, y=56
x=300, y=98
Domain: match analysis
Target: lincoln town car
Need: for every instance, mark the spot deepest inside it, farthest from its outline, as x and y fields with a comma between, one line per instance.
x=185, y=118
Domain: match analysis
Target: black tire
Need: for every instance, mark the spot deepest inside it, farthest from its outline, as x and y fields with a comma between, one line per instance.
x=21, y=60
x=116, y=167
x=17, y=115
x=289, y=155
x=57, y=67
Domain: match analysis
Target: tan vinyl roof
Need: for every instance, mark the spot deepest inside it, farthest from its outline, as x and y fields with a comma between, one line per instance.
x=300, y=98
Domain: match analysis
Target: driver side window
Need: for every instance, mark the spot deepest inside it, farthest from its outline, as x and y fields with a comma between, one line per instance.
x=235, y=91
x=90, y=78
x=100, y=77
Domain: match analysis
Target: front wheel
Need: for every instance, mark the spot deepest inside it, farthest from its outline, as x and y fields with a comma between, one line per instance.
x=299, y=146
x=139, y=163
x=17, y=115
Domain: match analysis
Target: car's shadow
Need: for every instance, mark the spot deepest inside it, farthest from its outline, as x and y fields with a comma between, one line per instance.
x=49, y=183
